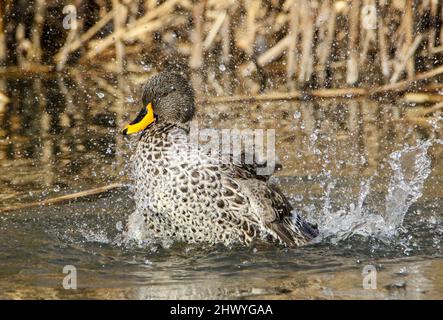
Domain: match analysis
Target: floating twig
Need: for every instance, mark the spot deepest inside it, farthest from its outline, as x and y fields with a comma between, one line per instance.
x=62, y=199
x=293, y=95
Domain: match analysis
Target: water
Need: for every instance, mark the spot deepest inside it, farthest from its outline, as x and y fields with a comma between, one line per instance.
x=404, y=189
x=372, y=182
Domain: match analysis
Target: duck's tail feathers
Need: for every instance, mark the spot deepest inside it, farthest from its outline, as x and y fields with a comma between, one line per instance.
x=294, y=231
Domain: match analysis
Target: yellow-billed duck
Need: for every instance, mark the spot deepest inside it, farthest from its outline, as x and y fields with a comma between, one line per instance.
x=182, y=194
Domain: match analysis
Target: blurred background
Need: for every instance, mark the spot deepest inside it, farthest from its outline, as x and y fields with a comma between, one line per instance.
x=301, y=44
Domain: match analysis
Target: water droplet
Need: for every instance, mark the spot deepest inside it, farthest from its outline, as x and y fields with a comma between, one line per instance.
x=297, y=115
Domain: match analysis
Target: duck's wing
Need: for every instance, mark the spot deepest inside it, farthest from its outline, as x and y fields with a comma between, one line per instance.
x=278, y=215
x=261, y=169
x=251, y=196
x=280, y=218
x=246, y=188
x=245, y=164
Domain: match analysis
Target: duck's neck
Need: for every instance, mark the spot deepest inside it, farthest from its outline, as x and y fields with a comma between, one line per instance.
x=184, y=126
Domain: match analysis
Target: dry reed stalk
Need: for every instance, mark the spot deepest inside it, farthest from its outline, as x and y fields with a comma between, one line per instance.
x=216, y=27
x=433, y=32
x=247, y=39
x=155, y=12
x=326, y=37
x=226, y=40
x=98, y=46
x=292, y=49
x=409, y=26
x=133, y=8
x=26, y=69
x=4, y=197
x=436, y=50
x=40, y=8
x=251, y=98
x=3, y=44
x=433, y=87
x=403, y=85
x=213, y=82
x=339, y=92
x=149, y=5
x=382, y=43
x=306, y=60
x=268, y=56
x=63, y=54
x=441, y=29
x=352, y=63
x=368, y=35
x=402, y=64
x=422, y=97
x=292, y=95
x=75, y=44
x=23, y=47
x=139, y=27
x=119, y=20
x=3, y=98
x=273, y=53
x=196, y=57
x=421, y=111
x=398, y=40
x=155, y=25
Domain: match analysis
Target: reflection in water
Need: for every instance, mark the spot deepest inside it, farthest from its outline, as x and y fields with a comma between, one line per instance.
x=56, y=135
x=62, y=126
x=346, y=163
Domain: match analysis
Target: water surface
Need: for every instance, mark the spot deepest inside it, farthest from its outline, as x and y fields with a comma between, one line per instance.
x=365, y=171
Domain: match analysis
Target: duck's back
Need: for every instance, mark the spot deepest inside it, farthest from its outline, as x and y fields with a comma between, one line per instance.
x=185, y=195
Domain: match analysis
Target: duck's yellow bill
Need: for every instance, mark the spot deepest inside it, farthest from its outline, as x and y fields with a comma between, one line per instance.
x=141, y=122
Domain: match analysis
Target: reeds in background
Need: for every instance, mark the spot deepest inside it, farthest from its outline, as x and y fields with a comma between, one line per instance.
x=300, y=43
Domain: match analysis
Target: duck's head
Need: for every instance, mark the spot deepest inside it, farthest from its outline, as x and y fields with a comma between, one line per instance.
x=167, y=97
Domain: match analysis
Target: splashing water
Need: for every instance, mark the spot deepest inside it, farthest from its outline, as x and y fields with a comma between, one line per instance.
x=406, y=185
x=410, y=166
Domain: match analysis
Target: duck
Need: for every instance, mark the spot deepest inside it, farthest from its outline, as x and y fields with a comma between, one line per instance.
x=181, y=194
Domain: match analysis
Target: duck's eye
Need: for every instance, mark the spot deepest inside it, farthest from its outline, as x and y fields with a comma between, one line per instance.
x=164, y=94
